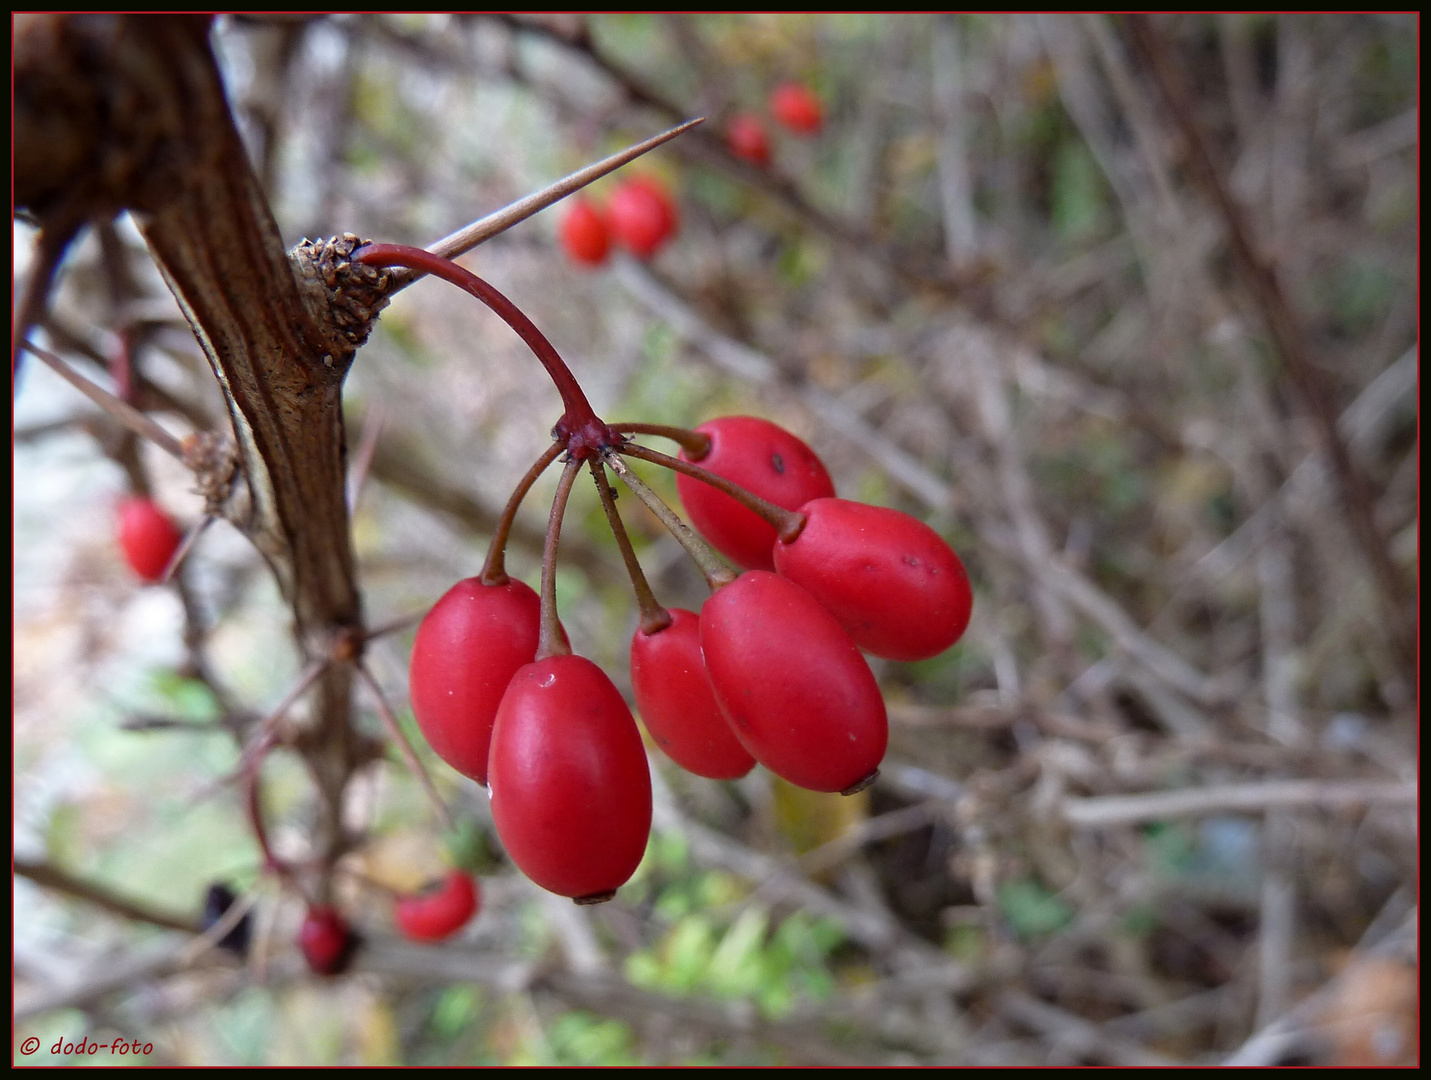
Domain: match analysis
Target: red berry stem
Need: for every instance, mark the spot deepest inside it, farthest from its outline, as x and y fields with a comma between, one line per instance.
x=579, y=425
x=494, y=570
x=716, y=572
x=654, y=617
x=253, y=803
x=695, y=443
x=788, y=523
x=549, y=638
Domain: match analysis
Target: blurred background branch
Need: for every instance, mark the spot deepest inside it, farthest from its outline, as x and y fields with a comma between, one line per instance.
x=1125, y=308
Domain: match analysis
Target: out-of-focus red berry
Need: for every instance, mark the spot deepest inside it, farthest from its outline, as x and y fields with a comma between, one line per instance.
x=440, y=910
x=327, y=940
x=585, y=233
x=147, y=536
x=643, y=215
x=797, y=107
x=746, y=137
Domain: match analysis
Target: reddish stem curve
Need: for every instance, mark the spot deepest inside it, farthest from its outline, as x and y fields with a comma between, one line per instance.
x=696, y=444
x=494, y=570
x=255, y=818
x=550, y=641
x=579, y=428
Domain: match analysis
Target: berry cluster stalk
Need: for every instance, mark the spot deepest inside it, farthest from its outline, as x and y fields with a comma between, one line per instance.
x=579, y=426
x=654, y=617
x=788, y=523
x=549, y=638
x=494, y=570
x=716, y=572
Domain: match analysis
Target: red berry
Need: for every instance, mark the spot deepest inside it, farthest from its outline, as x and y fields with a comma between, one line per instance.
x=894, y=585
x=466, y=651
x=326, y=940
x=643, y=215
x=147, y=536
x=764, y=459
x=797, y=107
x=677, y=703
x=792, y=684
x=746, y=137
x=571, y=790
x=584, y=233
x=440, y=910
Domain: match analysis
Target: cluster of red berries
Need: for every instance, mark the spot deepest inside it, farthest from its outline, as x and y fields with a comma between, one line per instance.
x=328, y=941
x=780, y=645
x=794, y=106
x=148, y=537
x=641, y=216
x=769, y=671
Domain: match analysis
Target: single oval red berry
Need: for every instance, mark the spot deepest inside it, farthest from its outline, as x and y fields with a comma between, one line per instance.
x=797, y=107
x=643, y=215
x=766, y=460
x=585, y=234
x=148, y=537
x=466, y=651
x=677, y=703
x=571, y=790
x=746, y=137
x=892, y=582
x=326, y=939
x=440, y=910
x=797, y=692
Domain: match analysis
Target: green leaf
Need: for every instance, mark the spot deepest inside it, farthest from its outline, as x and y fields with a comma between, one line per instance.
x=1031, y=910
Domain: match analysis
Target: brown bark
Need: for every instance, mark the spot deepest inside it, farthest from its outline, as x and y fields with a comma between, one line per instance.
x=128, y=113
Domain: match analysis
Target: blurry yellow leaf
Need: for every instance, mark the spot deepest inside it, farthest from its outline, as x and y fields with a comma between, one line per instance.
x=808, y=819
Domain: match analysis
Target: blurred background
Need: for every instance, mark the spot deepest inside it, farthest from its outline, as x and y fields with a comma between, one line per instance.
x=1148, y=362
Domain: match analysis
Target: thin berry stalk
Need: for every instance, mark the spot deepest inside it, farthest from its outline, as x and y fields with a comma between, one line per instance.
x=549, y=637
x=716, y=572
x=653, y=616
x=696, y=444
x=140, y=423
x=253, y=804
x=788, y=523
x=400, y=740
x=494, y=570
x=579, y=422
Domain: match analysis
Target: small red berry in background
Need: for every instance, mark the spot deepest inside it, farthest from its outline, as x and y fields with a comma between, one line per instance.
x=677, y=703
x=466, y=651
x=792, y=684
x=440, y=910
x=571, y=790
x=147, y=536
x=892, y=582
x=746, y=137
x=762, y=458
x=327, y=940
x=585, y=233
x=797, y=107
x=643, y=215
